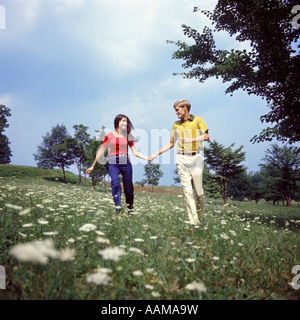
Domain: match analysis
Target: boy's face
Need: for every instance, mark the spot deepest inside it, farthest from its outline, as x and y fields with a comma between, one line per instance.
x=181, y=112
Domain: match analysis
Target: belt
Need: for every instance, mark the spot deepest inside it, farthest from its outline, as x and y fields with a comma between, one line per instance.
x=119, y=155
x=188, y=153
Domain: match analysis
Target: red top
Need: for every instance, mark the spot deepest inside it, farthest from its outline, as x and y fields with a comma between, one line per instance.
x=117, y=145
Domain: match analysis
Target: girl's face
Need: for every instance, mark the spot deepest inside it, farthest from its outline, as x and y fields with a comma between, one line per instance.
x=123, y=124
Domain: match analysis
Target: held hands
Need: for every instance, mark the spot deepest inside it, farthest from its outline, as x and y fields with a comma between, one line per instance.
x=152, y=157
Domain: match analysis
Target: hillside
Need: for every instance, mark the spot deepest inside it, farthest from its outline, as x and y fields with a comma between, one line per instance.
x=56, y=175
x=26, y=171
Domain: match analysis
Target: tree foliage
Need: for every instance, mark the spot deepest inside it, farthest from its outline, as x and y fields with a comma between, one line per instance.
x=281, y=173
x=270, y=70
x=101, y=169
x=225, y=163
x=79, y=144
x=152, y=173
x=55, y=150
x=5, y=151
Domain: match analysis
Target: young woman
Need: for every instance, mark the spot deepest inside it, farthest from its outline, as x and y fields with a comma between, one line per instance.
x=119, y=162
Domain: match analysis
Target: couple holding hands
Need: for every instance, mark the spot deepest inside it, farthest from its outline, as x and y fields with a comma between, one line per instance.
x=189, y=132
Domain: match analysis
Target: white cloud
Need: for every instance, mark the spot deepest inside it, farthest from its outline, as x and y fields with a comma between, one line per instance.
x=6, y=99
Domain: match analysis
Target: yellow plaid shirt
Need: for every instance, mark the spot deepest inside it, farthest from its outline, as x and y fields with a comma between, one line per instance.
x=191, y=128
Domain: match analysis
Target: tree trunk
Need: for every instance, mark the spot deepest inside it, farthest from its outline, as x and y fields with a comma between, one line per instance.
x=64, y=174
x=224, y=193
x=79, y=175
x=288, y=201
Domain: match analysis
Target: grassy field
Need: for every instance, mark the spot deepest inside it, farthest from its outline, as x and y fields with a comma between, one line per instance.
x=64, y=241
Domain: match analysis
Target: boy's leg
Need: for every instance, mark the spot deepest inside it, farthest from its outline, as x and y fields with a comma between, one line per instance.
x=197, y=176
x=186, y=181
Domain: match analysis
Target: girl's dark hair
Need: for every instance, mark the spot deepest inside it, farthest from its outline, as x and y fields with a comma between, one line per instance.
x=130, y=127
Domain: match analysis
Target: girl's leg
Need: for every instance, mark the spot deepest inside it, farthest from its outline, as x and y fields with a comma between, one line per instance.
x=114, y=172
x=126, y=171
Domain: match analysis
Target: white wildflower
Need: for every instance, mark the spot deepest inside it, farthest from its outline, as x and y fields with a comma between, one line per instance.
x=34, y=251
x=63, y=206
x=22, y=234
x=100, y=277
x=100, y=233
x=137, y=273
x=28, y=225
x=112, y=253
x=148, y=286
x=155, y=294
x=198, y=286
x=42, y=221
x=150, y=270
x=136, y=250
x=13, y=206
x=233, y=233
x=24, y=212
x=88, y=227
x=224, y=236
x=50, y=233
x=139, y=240
x=190, y=260
x=102, y=240
x=66, y=254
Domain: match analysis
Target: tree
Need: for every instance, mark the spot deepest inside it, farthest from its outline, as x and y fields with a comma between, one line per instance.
x=270, y=70
x=101, y=169
x=225, y=163
x=239, y=186
x=55, y=150
x=5, y=151
x=255, y=186
x=153, y=174
x=79, y=144
x=281, y=173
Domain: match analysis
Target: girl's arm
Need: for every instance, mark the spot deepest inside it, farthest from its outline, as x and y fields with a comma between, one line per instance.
x=138, y=154
x=99, y=154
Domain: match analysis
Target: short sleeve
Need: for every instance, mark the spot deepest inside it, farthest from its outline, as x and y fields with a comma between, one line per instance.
x=202, y=125
x=105, y=142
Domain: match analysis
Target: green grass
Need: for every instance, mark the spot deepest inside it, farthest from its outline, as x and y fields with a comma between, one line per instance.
x=245, y=251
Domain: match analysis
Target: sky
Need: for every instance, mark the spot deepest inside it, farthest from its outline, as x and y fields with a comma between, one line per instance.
x=85, y=61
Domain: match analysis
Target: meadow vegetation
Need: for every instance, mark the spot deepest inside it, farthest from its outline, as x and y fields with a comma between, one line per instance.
x=64, y=241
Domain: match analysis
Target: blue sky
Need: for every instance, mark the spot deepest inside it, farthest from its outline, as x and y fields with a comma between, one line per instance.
x=84, y=61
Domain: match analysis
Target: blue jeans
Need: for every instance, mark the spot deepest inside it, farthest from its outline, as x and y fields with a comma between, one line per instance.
x=121, y=166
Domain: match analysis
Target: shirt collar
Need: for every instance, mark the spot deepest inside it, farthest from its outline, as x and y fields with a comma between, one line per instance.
x=191, y=118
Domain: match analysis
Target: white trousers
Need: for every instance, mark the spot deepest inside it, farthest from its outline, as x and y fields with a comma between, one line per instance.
x=190, y=169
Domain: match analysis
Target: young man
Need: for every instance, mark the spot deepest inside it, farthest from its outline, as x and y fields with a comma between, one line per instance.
x=189, y=132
